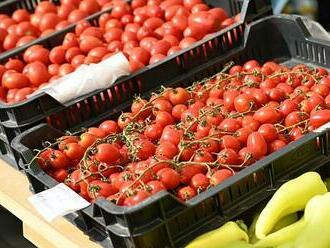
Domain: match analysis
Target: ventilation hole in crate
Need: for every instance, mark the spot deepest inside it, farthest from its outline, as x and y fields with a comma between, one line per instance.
x=297, y=48
x=325, y=55
x=313, y=51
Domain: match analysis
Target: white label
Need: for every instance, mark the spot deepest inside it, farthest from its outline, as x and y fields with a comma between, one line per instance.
x=57, y=201
x=322, y=128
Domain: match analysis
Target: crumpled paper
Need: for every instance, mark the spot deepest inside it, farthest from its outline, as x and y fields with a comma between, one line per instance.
x=87, y=78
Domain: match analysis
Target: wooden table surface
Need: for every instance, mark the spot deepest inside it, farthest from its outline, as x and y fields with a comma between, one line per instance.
x=14, y=191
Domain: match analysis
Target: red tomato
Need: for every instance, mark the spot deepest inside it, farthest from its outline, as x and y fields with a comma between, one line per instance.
x=21, y=15
x=15, y=80
x=45, y=7
x=219, y=176
x=77, y=15
x=107, y=153
x=186, y=42
x=169, y=178
x=160, y=47
x=268, y=131
x=36, y=53
x=257, y=145
x=319, y=118
x=204, y=20
x=186, y=193
x=48, y=21
x=87, y=43
x=219, y=13
x=89, y=6
x=10, y=41
x=140, y=55
x=14, y=64
x=37, y=73
x=57, y=55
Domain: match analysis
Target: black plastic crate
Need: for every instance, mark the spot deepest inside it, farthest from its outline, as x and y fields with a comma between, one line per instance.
x=8, y=154
x=164, y=221
x=102, y=101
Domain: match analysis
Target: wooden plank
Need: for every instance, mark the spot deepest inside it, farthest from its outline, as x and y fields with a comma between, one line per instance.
x=14, y=191
x=35, y=237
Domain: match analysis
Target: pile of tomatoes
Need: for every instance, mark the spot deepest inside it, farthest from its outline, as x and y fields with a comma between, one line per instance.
x=146, y=31
x=22, y=27
x=186, y=140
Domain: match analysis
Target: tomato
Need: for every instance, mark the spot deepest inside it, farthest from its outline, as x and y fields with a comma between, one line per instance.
x=164, y=118
x=21, y=15
x=97, y=132
x=65, y=69
x=138, y=3
x=36, y=53
x=155, y=187
x=242, y=135
x=140, y=196
x=74, y=151
x=169, y=178
x=228, y=156
x=166, y=149
x=319, y=118
x=249, y=122
x=35, y=19
x=10, y=41
x=77, y=60
x=275, y=145
x=15, y=80
x=294, y=118
x=26, y=28
x=243, y=103
x=25, y=40
x=48, y=21
x=60, y=175
x=99, y=188
x=21, y=94
x=14, y=64
x=156, y=58
x=58, y=160
x=45, y=7
x=87, y=43
x=219, y=13
x=119, y=10
x=179, y=96
x=109, y=127
x=204, y=20
x=173, y=50
x=86, y=140
x=162, y=105
x=230, y=125
x=199, y=182
x=268, y=131
x=167, y=3
x=219, y=176
x=64, y=140
x=107, y=153
x=228, y=141
x=186, y=42
x=250, y=65
x=37, y=73
x=89, y=6
x=186, y=193
x=77, y=15
x=153, y=131
x=256, y=143
x=266, y=115
x=64, y=10
x=140, y=55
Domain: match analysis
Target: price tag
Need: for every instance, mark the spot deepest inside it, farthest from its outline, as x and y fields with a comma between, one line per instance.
x=57, y=201
x=322, y=128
